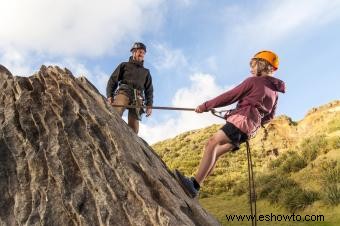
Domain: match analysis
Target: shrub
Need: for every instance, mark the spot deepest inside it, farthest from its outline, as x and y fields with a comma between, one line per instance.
x=331, y=182
x=203, y=195
x=293, y=163
x=218, y=184
x=270, y=186
x=334, y=142
x=334, y=125
x=276, y=163
x=281, y=190
x=240, y=188
x=295, y=198
x=312, y=146
x=332, y=194
x=330, y=172
x=288, y=162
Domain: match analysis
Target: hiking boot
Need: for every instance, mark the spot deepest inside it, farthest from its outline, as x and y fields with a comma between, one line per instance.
x=187, y=184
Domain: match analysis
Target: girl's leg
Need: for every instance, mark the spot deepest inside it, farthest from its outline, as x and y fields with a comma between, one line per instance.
x=220, y=150
x=217, y=145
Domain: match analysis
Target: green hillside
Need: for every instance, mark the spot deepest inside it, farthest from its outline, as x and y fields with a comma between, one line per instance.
x=297, y=167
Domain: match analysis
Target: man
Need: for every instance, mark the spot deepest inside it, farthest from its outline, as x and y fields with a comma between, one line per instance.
x=134, y=82
x=257, y=98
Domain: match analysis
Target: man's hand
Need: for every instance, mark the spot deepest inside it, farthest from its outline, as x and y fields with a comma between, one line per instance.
x=148, y=111
x=110, y=100
x=198, y=109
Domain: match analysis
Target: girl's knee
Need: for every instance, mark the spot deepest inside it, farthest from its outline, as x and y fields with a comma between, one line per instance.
x=212, y=142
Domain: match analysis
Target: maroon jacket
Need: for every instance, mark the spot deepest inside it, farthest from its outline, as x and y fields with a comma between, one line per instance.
x=257, y=99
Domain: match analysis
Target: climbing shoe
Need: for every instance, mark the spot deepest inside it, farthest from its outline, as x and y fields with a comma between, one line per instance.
x=187, y=184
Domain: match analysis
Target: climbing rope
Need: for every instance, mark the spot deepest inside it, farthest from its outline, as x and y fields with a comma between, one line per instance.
x=252, y=192
x=213, y=111
x=153, y=107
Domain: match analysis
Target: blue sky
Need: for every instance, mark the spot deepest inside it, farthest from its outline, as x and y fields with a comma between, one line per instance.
x=196, y=49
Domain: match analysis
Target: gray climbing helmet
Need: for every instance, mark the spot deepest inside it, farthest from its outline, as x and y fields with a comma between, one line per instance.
x=138, y=45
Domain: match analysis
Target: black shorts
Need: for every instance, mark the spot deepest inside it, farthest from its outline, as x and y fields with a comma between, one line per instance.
x=236, y=136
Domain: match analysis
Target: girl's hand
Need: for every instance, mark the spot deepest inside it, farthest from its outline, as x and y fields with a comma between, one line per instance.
x=198, y=109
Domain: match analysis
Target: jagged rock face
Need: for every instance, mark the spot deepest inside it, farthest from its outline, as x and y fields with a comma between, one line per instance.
x=66, y=158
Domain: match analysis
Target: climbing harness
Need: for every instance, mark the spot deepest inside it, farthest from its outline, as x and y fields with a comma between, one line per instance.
x=252, y=192
x=135, y=97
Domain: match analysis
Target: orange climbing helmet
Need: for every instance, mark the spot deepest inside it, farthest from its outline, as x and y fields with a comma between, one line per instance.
x=268, y=56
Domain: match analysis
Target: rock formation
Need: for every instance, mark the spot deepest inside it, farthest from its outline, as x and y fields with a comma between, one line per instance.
x=66, y=158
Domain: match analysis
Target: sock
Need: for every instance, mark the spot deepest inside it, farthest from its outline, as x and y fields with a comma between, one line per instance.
x=196, y=184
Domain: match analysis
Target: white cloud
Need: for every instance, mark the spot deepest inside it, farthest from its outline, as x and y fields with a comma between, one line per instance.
x=72, y=27
x=202, y=88
x=15, y=61
x=278, y=19
x=23, y=64
x=168, y=58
